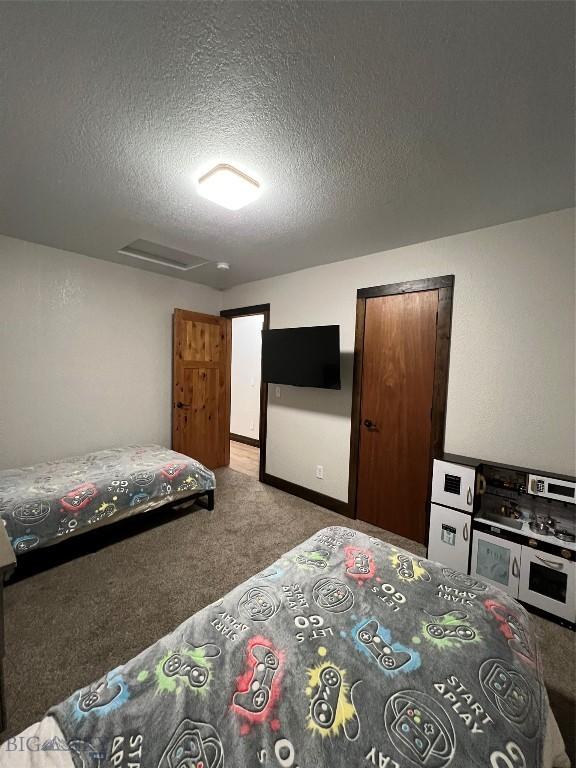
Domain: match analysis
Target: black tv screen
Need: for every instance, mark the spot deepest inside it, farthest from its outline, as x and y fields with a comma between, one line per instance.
x=302, y=357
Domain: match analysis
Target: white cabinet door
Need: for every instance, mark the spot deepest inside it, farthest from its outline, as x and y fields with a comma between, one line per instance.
x=449, y=537
x=453, y=485
x=548, y=582
x=496, y=561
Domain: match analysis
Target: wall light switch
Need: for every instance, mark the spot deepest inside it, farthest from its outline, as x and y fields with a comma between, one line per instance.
x=277, y=391
x=252, y=426
x=252, y=381
x=319, y=471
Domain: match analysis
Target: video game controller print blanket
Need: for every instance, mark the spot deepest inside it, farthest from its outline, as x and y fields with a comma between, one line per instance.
x=47, y=502
x=345, y=652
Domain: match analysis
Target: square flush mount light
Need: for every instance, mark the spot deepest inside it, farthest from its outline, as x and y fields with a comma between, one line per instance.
x=229, y=187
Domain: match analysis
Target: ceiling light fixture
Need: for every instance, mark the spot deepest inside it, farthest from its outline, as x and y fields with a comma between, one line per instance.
x=223, y=265
x=229, y=187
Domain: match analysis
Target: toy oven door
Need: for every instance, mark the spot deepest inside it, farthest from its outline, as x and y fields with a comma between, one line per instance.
x=548, y=582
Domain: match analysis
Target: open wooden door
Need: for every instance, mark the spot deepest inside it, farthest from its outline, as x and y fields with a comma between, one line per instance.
x=201, y=387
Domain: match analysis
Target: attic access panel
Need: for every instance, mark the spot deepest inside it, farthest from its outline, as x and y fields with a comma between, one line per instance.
x=145, y=250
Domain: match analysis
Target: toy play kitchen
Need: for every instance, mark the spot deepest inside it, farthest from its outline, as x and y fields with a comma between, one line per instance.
x=509, y=526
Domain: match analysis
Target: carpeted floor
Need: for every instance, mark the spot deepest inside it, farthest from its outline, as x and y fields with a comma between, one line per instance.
x=78, y=609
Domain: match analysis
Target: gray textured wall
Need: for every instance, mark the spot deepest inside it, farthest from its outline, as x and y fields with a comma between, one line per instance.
x=511, y=396
x=85, y=352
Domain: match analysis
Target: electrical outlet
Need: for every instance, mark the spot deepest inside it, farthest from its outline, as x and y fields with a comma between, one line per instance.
x=251, y=426
x=319, y=471
x=277, y=391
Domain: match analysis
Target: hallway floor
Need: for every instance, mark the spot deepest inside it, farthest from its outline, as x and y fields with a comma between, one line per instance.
x=244, y=458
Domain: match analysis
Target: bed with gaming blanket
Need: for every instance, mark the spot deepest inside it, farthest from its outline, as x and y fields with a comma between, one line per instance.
x=48, y=502
x=345, y=652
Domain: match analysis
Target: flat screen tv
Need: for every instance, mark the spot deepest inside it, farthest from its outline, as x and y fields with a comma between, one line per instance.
x=302, y=357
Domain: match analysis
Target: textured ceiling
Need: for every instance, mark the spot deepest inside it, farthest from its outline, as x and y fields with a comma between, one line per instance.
x=372, y=125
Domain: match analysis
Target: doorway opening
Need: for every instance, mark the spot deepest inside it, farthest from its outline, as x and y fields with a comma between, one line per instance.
x=400, y=391
x=248, y=394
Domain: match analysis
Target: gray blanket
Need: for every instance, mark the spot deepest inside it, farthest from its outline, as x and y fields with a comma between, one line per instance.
x=49, y=501
x=345, y=652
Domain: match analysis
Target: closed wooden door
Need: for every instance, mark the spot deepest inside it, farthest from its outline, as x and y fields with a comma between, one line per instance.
x=201, y=387
x=396, y=410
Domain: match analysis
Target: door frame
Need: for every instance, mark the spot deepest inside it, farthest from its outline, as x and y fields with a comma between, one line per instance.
x=256, y=309
x=445, y=287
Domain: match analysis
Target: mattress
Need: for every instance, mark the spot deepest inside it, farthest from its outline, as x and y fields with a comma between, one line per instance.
x=45, y=503
x=345, y=652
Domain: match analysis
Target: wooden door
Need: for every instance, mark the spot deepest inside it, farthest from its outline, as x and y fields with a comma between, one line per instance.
x=201, y=387
x=396, y=411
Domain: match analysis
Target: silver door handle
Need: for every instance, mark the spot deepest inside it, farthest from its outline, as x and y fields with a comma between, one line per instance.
x=515, y=568
x=465, y=532
x=469, y=495
x=550, y=563
x=481, y=485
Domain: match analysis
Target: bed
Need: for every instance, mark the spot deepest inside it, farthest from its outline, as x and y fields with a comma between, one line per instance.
x=344, y=652
x=48, y=502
